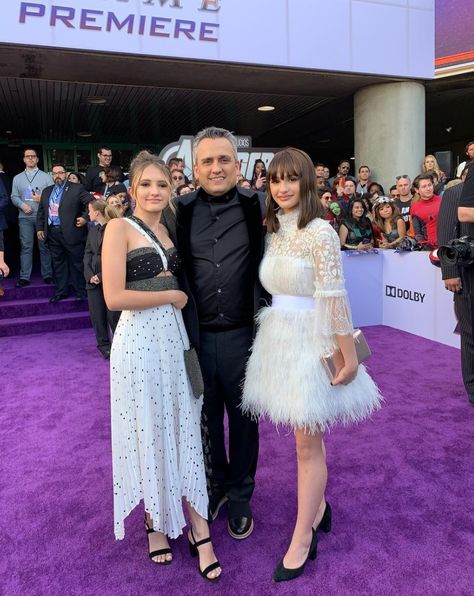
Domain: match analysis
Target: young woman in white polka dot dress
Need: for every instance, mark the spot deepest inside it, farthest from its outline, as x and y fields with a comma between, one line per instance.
x=156, y=435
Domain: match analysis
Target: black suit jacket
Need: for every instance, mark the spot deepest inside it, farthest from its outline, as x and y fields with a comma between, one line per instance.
x=73, y=205
x=179, y=228
x=92, y=255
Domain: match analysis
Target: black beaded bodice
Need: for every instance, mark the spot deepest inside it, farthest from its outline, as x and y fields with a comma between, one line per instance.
x=145, y=263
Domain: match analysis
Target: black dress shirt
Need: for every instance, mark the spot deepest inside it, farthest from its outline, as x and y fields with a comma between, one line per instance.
x=221, y=263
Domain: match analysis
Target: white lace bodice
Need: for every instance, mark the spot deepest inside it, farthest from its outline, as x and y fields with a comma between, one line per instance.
x=308, y=262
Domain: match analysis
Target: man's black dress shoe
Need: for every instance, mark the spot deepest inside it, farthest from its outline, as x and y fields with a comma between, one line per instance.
x=105, y=351
x=240, y=527
x=282, y=574
x=81, y=296
x=21, y=283
x=57, y=298
x=48, y=280
x=470, y=397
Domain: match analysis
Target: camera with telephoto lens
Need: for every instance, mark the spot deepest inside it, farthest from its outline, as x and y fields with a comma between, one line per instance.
x=459, y=251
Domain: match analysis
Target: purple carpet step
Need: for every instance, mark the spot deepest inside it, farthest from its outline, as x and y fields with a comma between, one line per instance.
x=44, y=324
x=36, y=289
x=15, y=309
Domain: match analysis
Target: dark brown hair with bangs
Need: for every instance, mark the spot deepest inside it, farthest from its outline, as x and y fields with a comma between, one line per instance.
x=291, y=162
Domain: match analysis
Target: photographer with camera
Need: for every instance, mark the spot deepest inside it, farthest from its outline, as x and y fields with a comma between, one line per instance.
x=458, y=275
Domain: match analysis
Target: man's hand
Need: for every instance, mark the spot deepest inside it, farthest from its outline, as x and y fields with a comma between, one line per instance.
x=27, y=210
x=80, y=221
x=4, y=268
x=94, y=280
x=453, y=284
x=36, y=197
x=40, y=235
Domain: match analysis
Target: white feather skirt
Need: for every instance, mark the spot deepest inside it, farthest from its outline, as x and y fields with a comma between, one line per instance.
x=286, y=381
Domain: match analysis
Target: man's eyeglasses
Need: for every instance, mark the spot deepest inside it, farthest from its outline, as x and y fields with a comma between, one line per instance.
x=55, y=173
x=31, y=156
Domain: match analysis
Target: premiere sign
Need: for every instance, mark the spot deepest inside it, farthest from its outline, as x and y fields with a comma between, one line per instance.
x=277, y=33
x=89, y=19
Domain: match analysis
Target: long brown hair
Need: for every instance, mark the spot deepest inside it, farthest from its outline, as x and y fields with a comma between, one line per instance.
x=380, y=221
x=293, y=162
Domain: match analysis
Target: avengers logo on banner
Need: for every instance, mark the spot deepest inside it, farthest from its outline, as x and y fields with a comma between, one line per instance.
x=246, y=154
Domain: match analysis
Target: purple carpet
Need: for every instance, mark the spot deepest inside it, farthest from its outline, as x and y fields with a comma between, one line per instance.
x=400, y=485
x=28, y=310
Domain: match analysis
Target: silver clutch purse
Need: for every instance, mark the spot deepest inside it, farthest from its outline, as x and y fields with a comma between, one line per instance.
x=333, y=361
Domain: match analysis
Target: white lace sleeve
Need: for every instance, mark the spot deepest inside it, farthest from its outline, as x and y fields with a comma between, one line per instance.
x=333, y=313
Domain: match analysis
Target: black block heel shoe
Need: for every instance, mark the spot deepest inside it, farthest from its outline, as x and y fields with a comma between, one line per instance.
x=193, y=551
x=325, y=524
x=282, y=574
x=157, y=553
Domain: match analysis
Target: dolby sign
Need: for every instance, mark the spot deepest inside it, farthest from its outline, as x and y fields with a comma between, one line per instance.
x=394, y=292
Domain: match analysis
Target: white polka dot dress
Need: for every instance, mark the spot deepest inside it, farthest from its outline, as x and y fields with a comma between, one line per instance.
x=156, y=434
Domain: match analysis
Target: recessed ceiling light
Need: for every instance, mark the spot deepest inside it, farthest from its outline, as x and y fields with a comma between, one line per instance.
x=9, y=132
x=266, y=108
x=96, y=100
x=84, y=133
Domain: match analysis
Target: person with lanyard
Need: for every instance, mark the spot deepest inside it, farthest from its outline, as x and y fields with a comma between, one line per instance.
x=26, y=192
x=62, y=224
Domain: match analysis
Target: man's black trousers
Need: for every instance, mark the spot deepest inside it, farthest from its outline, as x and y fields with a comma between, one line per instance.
x=101, y=317
x=67, y=260
x=223, y=356
x=464, y=308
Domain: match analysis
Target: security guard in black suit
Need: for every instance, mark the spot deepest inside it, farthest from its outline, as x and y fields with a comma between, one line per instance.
x=460, y=280
x=62, y=223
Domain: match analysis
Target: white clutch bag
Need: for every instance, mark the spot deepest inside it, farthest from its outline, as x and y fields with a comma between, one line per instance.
x=333, y=361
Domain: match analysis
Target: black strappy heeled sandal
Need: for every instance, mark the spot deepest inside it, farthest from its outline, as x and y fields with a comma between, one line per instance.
x=157, y=553
x=193, y=550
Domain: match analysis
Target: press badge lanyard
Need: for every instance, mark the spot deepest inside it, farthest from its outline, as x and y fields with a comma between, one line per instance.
x=34, y=176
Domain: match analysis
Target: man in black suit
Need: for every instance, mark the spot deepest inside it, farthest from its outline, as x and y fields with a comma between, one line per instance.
x=62, y=224
x=459, y=280
x=220, y=237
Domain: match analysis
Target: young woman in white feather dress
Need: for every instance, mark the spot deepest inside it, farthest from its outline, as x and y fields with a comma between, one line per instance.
x=310, y=316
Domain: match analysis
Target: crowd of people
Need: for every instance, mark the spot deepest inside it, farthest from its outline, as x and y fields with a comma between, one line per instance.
x=366, y=217
x=179, y=269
